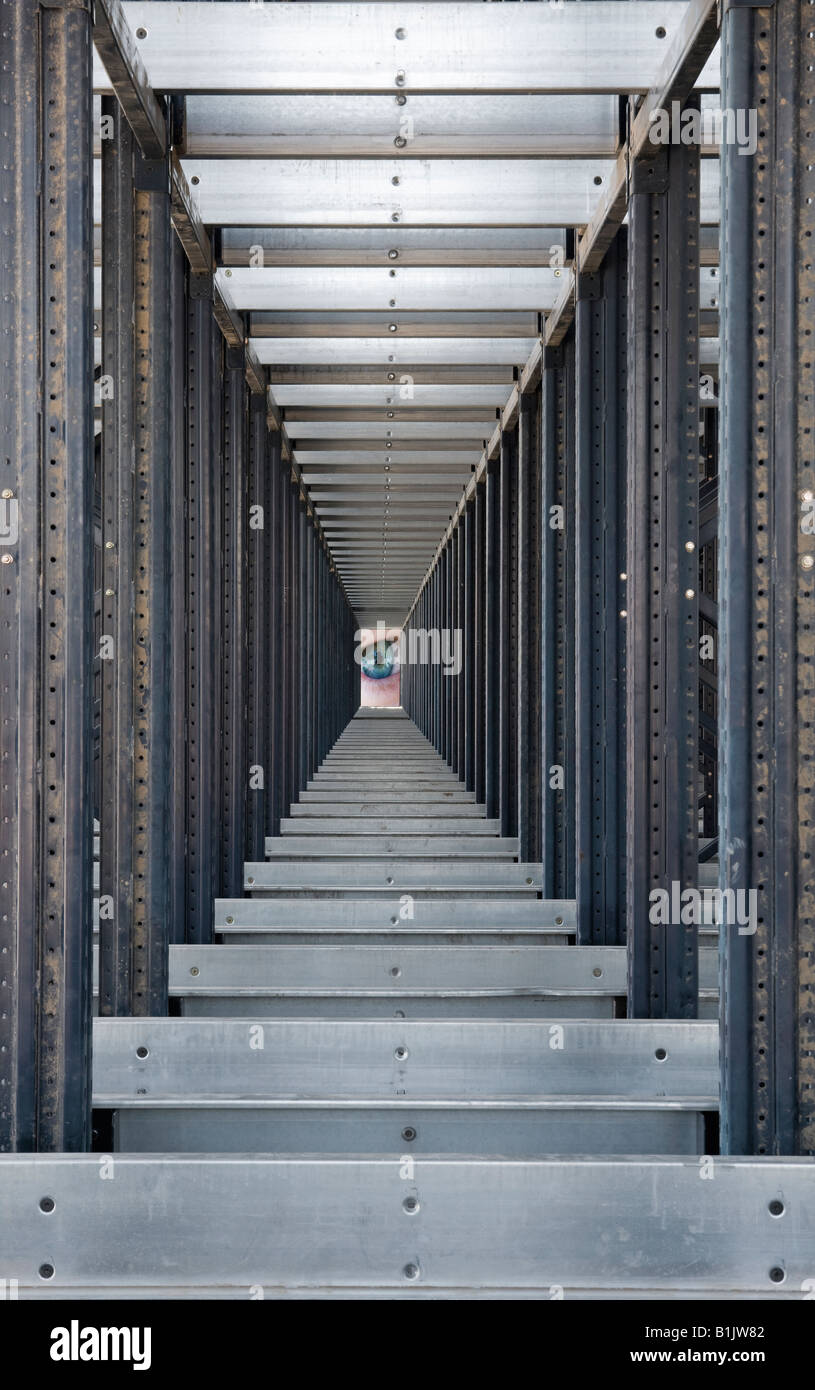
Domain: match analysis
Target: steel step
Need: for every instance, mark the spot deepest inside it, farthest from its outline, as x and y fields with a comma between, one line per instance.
x=440, y=827
x=432, y=847
x=373, y=875
x=439, y=1228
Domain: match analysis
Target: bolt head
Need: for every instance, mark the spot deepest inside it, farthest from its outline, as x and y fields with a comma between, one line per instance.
x=6, y=559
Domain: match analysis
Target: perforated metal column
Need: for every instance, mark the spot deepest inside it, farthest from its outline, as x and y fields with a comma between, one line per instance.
x=767, y=646
x=203, y=676
x=662, y=781
x=600, y=598
x=46, y=576
x=557, y=626
x=529, y=627
x=234, y=479
x=492, y=620
x=259, y=539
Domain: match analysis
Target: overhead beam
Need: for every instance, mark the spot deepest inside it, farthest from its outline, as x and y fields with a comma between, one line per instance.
x=117, y=46
x=413, y=48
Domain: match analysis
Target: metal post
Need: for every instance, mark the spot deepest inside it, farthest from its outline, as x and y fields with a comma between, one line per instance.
x=529, y=623
x=767, y=563
x=509, y=634
x=480, y=653
x=661, y=589
x=600, y=600
x=557, y=626
x=46, y=486
x=177, y=840
x=234, y=616
x=259, y=539
x=201, y=651
x=492, y=617
x=467, y=639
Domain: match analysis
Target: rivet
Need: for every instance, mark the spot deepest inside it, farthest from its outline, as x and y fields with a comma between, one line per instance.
x=400, y=78
x=807, y=561
x=393, y=255
x=777, y=1274
x=776, y=1208
x=597, y=972
x=195, y=179
x=109, y=545
x=47, y=1271
x=228, y=273
x=410, y=1205
x=623, y=576
x=391, y=376
x=141, y=33
x=230, y=920
x=396, y=180
x=412, y=1272
x=395, y=971
x=47, y=1204
x=194, y=970
x=401, y=33
x=393, y=327
x=690, y=546
x=395, y=216
x=7, y=493
x=391, y=302
x=6, y=559
x=401, y=101
x=690, y=593
x=623, y=612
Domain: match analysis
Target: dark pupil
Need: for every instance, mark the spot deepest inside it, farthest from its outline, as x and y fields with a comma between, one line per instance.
x=377, y=661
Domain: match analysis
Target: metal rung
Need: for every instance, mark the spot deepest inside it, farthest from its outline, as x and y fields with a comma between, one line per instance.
x=459, y=1063
x=398, y=812
x=433, y=847
x=382, y=912
x=400, y=875
x=441, y=828
x=513, y=1129
x=448, y=1227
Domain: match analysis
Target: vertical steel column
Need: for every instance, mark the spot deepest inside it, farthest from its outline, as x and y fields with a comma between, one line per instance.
x=468, y=674
x=259, y=539
x=46, y=545
x=599, y=599
x=273, y=635
x=117, y=392
x=529, y=628
x=456, y=619
x=767, y=564
x=557, y=627
x=233, y=673
x=445, y=564
x=177, y=840
x=480, y=653
x=662, y=698
x=152, y=593
x=306, y=654
x=509, y=634
x=202, y=560
x=492, y=616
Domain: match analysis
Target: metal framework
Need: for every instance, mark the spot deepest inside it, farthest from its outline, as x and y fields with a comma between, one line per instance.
x=445, y=323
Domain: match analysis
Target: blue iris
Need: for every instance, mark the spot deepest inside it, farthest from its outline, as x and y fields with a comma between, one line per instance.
x=378, y=661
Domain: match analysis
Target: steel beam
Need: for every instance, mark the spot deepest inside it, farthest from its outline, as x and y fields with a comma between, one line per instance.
x=372, y=48
x=528, y=585
x=767, y=560
x=46, y=485
x=557, y=627
x=661, y=588
x=600, y=598
x=201, y=599
x=234, y=652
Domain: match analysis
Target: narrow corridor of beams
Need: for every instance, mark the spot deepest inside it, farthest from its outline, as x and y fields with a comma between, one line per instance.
x=396, y=314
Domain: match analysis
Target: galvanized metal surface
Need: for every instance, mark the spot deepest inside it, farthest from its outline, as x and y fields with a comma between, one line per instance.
x=459, y=1062
x=591, y=1227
